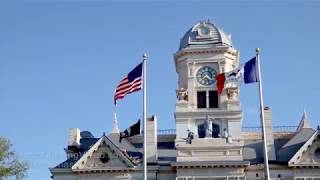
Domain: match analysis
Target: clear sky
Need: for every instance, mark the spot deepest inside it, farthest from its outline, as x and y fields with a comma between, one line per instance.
x=60, y=62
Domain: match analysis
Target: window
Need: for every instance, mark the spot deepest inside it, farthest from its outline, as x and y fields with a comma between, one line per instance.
x=215, y=130
x=317, y=152
x=213, y=99
x=202, y=99
x=202, y=131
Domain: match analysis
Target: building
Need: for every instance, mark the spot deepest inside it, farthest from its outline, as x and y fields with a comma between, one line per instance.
x=220, y=149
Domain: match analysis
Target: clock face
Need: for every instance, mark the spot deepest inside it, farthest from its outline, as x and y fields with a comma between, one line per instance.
x=206, y=76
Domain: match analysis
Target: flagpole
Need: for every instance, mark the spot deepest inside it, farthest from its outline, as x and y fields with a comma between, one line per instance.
x=265, y=150
x=145, y=173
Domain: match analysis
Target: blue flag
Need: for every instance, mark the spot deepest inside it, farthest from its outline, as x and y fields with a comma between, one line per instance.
x=247, y=73
x=250, y=74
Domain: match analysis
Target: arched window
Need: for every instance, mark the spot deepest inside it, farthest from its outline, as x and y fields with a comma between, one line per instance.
x=201, y=131
x=215, y=130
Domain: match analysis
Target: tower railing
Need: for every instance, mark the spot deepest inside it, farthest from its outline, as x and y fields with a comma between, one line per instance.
x=256, y=129
x=274, y=128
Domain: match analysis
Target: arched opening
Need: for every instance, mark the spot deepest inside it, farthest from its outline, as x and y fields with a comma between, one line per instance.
x=215, y=130
x=201, y=131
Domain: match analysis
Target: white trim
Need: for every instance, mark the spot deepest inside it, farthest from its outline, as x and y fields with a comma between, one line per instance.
x=305, y=177
x=200, y=177
x=294, y=159
x=95, y=147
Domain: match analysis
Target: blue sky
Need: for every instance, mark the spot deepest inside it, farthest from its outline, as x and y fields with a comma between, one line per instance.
x=60, y=62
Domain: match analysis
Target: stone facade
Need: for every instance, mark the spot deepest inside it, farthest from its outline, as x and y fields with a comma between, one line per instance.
x=208, y=142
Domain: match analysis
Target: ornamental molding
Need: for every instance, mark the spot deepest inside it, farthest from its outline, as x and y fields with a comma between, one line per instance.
x=200, y=51
x=229, y=164
x=207, y=61
x=218, y=114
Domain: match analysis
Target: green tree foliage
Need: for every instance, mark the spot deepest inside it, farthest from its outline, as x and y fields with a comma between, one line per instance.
x=10, y=165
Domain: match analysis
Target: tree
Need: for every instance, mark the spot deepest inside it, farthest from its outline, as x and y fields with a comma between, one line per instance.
x=10, y=165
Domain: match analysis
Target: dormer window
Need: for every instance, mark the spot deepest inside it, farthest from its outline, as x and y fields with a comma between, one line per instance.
x=204, y=32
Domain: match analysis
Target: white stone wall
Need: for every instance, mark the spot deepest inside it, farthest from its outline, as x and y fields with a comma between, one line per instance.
x=152, y=155
x=165, y=175
x=255, y=172
x=234, y=128
x=207, y=172
x=100, y=176
x=188, y=62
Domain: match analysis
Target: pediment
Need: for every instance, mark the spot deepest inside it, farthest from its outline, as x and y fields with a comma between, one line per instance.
x=104, y=155
x=309, y=153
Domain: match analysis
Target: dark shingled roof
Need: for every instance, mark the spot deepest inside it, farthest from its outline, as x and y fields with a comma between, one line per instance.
x=287, y=151
x=86, y=142
x=85, y=145
x=252, y=150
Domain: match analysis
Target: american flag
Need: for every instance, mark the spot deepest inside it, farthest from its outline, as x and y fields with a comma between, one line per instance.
x=130, y=83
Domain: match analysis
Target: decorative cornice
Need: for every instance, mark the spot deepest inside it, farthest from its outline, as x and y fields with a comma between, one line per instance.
x=102, y=170
x=211, y=164
x=192, y=51
x=217, y=114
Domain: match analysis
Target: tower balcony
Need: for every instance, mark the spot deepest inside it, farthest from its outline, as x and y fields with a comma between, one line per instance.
x=210, y=149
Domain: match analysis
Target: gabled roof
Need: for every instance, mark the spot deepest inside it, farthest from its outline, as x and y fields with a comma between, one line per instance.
x=287, y=151
x=303, y=149
x=85, y=144
x=129, y=150
x=124, y=150
x=94, y=148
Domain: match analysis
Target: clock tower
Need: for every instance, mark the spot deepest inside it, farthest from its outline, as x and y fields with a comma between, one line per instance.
x=208, y=125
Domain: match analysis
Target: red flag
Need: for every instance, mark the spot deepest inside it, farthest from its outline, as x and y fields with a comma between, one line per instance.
x=245, y=73
x=220, y=82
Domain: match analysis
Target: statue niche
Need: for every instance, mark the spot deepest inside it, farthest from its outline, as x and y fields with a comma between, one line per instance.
x=182, y=94
x=232, y=94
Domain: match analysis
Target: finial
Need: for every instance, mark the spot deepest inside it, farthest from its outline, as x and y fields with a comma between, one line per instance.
x=115, y=128
x=305, y=113
x=145, y=56
x=104, y=134
x=257, y=50
x=304, y=121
